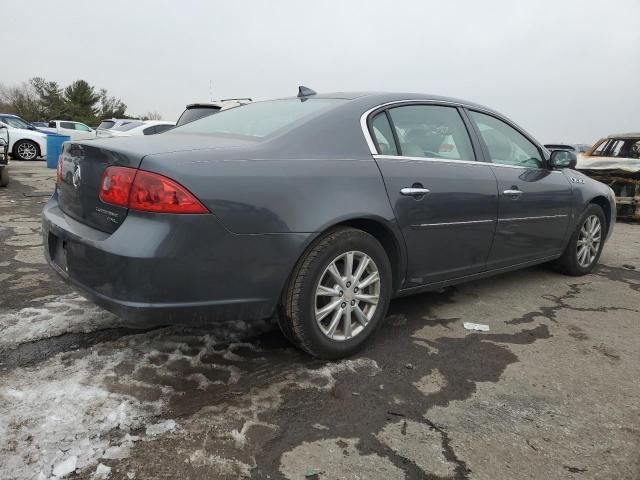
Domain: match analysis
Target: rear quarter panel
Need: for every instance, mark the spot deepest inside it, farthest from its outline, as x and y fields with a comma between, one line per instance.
x=275, y=195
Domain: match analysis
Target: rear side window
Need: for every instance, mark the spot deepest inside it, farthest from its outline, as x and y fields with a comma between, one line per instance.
x=82, y=127
x=68, y=125
x=505, y=144
x=383, y=135
x=125, y=127
x=260, y=119
x=149, y=130
x=163, y=128
x=431, y=131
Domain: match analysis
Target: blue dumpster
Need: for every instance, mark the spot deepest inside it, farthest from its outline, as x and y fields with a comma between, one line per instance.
x=54, y=147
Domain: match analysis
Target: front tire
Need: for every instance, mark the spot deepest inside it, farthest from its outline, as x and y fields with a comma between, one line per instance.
x=586, y=243
x=26, y=150
x=338, y=294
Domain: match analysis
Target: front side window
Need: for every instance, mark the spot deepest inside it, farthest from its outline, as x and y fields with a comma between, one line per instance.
x=149, y=130
x=505, y=144
x=431, y=131
x=383, y=135
x=106, y=124
x=82, y=127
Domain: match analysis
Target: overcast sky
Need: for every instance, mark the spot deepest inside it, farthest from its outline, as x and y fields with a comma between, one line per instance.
x=564, y=70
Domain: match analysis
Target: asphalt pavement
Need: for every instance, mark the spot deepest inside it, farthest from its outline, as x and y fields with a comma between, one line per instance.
x=550, y=391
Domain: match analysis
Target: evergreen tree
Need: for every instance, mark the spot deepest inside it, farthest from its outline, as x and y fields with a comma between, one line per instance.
x=81, y=99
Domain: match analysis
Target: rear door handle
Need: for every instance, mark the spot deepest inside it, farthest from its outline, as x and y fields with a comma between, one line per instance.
x=414, y=191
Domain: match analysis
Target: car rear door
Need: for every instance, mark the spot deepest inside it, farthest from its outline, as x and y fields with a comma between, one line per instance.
x=535, y=202
x=444, y=200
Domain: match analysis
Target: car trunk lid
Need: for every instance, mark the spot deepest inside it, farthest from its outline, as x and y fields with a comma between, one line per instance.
x=83, y=164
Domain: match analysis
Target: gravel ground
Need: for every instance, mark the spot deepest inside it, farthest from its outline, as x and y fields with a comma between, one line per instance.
x=551, y=391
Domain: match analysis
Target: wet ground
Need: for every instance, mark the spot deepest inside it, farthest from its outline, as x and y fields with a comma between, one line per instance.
x=551, y=391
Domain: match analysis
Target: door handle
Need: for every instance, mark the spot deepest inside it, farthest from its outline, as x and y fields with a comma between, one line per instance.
x=414, y=191
x=512, y=192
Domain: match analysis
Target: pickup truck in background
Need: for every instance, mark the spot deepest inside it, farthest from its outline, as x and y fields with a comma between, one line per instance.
x=75, y=130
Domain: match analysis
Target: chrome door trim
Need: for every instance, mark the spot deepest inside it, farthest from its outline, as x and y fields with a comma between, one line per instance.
x=541, y=217
x=447, y=224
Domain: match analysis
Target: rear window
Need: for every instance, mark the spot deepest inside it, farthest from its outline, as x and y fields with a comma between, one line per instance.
x=196, y=113
x=106, y=124
x=259, y=119
x=128, y=126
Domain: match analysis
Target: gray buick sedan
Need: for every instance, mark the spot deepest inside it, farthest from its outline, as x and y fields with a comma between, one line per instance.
x=318, y=209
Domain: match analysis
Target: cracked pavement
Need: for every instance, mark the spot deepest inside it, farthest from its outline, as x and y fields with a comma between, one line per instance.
x=551, y=391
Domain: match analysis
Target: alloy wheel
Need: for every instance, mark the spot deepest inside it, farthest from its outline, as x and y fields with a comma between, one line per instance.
x=27, y=151
x=347, y=295
x=589, y=241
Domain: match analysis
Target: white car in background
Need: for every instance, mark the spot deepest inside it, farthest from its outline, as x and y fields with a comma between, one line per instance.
x=139, y=127
x=108, y=123
x=25, y=143
x=75, y=130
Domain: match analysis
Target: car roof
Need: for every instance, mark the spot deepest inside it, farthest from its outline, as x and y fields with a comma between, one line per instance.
x=379, y=98
x=625, y=135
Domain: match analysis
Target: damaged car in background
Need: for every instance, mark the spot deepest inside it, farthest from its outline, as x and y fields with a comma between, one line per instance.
x=615, y=161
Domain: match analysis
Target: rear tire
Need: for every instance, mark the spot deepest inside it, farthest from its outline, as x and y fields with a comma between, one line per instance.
x=328, y=312
x=582, y=252
x=26, y=150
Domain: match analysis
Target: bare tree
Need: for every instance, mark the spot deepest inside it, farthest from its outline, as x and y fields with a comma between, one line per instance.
x=151, y=116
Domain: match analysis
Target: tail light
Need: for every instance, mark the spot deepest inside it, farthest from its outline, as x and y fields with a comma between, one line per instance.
x=59, y=170
x=146, y=191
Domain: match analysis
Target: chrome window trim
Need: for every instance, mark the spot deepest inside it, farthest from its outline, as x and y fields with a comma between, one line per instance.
x=364, y=117
x=374, y=151
x=429, y=159
x=541, y=217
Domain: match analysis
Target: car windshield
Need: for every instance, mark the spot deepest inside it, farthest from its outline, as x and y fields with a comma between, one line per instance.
x=106, y=124
x=128, y=126
x=259, y=119
x=15, y=122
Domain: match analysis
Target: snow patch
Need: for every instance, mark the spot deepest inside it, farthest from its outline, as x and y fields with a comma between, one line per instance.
x=229, y=467
x=64, y=468
x=66, y=314
x=160, y=428
x=102, y=472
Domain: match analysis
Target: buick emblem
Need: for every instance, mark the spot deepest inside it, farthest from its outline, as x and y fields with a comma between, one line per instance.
x=77, y=176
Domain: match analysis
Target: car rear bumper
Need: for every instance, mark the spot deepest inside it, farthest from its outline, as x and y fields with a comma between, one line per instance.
x=171, y=268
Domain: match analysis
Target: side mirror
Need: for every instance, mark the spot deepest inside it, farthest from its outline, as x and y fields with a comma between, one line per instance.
x=563, y=159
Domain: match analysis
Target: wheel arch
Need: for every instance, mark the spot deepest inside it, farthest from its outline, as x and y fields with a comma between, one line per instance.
x=388, y=235
x=603, y=203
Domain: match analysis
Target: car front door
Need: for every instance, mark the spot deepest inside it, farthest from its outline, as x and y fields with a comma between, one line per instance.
x=444, y=200
x=535, y=202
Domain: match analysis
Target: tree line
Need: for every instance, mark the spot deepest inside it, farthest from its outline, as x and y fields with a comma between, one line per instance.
x=43, y=100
